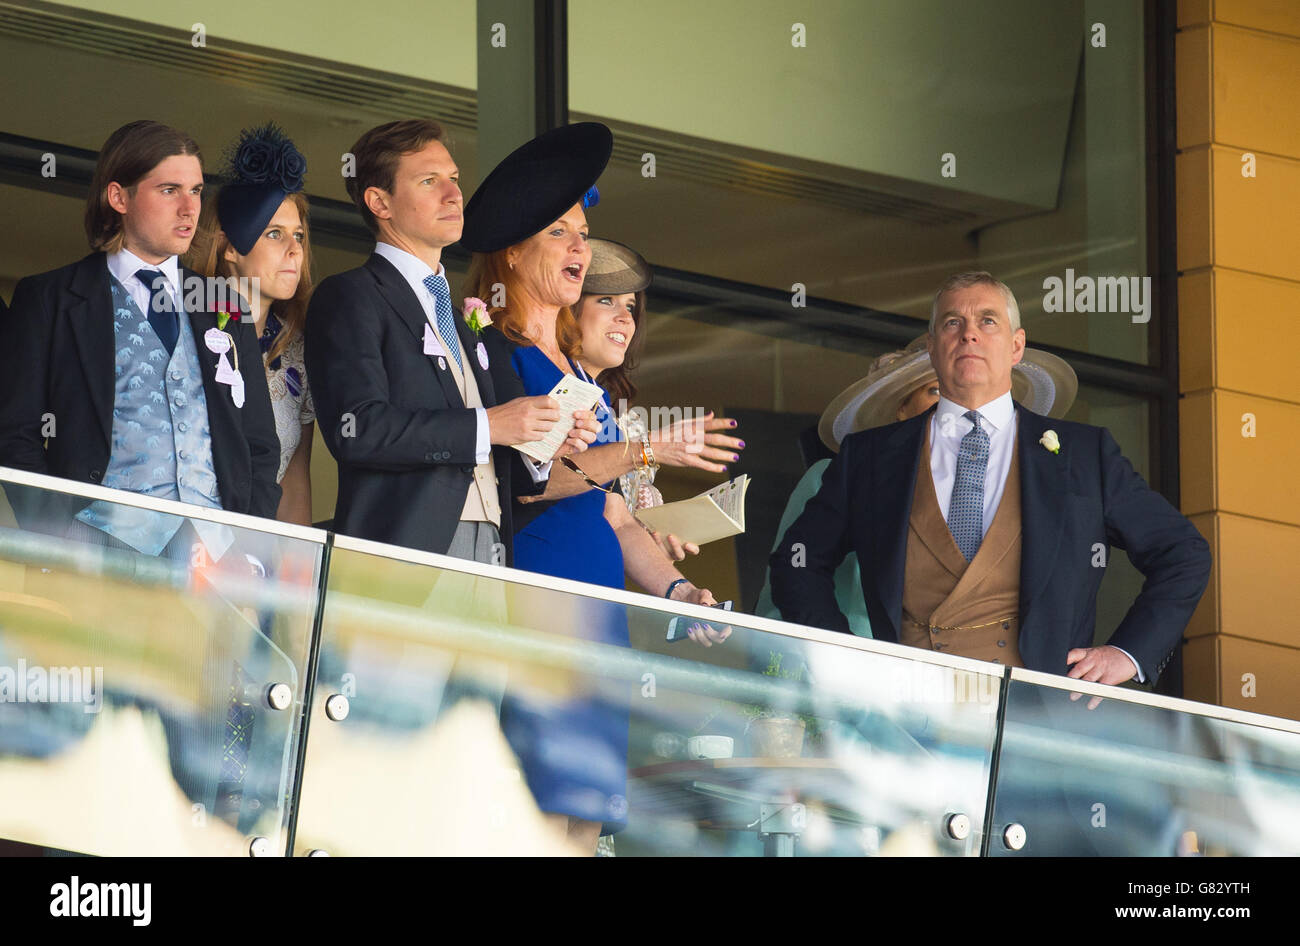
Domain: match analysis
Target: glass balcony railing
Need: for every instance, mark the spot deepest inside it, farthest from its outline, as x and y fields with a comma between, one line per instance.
x=455, y=703
x=258, y=688
x=149, y=704
x=1141, y=775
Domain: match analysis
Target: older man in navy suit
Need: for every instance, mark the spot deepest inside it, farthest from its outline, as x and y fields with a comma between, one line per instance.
x=982, y=529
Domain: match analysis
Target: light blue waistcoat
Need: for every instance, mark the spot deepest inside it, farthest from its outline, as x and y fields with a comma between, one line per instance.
x=161, y=444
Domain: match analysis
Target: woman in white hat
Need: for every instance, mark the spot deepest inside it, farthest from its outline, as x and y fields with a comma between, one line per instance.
x=900, y=385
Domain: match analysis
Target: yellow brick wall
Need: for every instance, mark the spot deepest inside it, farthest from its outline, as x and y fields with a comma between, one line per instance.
x=1238, y=209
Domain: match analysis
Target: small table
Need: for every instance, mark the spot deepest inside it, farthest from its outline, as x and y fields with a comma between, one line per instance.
x=726, y=793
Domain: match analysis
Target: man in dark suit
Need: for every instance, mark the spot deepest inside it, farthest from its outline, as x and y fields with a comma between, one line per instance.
x=411, y=405
x=111, y=369
x=956, y=557
x=129, y=371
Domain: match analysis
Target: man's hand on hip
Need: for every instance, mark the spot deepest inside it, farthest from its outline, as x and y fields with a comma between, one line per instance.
x=1105, y=664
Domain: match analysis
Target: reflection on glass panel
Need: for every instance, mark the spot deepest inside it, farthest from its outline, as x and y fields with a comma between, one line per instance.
x=1126, y=416
x=776, y=387
x=249, y=64
x=149, y=703
x=856, y=149
x=1128, y=779
x=462, y=713
x=385, y=43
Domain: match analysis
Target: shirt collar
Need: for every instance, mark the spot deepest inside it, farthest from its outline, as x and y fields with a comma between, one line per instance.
x=413, y=269
x=124, y=265
x=995, y=415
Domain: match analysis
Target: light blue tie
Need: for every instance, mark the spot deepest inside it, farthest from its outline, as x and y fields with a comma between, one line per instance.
x=966, y=508
x=441, y=292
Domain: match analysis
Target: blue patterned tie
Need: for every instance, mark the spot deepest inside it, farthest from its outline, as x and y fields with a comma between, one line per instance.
x=966, y=508
x=441, y=292
x=162, y=308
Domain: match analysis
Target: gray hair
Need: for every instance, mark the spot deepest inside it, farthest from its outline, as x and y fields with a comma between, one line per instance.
x=980, y=278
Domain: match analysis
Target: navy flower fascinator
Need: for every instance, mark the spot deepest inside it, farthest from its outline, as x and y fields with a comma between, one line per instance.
x=262, y=169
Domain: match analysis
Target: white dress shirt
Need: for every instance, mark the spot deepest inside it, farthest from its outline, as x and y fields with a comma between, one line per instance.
x=998, y=420
x=414, y=270
x=124, y=265
x=948, y=426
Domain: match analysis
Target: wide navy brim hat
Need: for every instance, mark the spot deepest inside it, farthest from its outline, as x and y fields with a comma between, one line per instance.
x=244, y=210
x=534, y=185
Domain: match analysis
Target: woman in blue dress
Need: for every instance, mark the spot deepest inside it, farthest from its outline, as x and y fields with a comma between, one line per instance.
x=527, y=228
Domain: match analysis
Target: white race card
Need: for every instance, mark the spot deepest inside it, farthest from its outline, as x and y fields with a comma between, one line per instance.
x=572, y=394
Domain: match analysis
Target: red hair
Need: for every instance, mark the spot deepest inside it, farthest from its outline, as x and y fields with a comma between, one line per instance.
x=491, y=271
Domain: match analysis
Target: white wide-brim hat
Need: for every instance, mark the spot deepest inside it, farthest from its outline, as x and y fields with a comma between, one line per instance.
x=1041, y=382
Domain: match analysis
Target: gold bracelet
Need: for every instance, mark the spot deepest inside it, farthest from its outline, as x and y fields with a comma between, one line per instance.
x=577, y=469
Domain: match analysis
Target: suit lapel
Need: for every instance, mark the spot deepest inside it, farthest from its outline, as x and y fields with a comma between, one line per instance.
x=892, y=506
x=90, y=314
x=1043, y=478
x=222, y=414
x=927, y=518
x=399, y=296
x=469, y=343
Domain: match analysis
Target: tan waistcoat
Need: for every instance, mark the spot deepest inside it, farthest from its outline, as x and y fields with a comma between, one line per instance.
x=959, y=607
x=482, y=503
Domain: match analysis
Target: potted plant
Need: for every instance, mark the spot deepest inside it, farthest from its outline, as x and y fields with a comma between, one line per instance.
x=776, y=732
